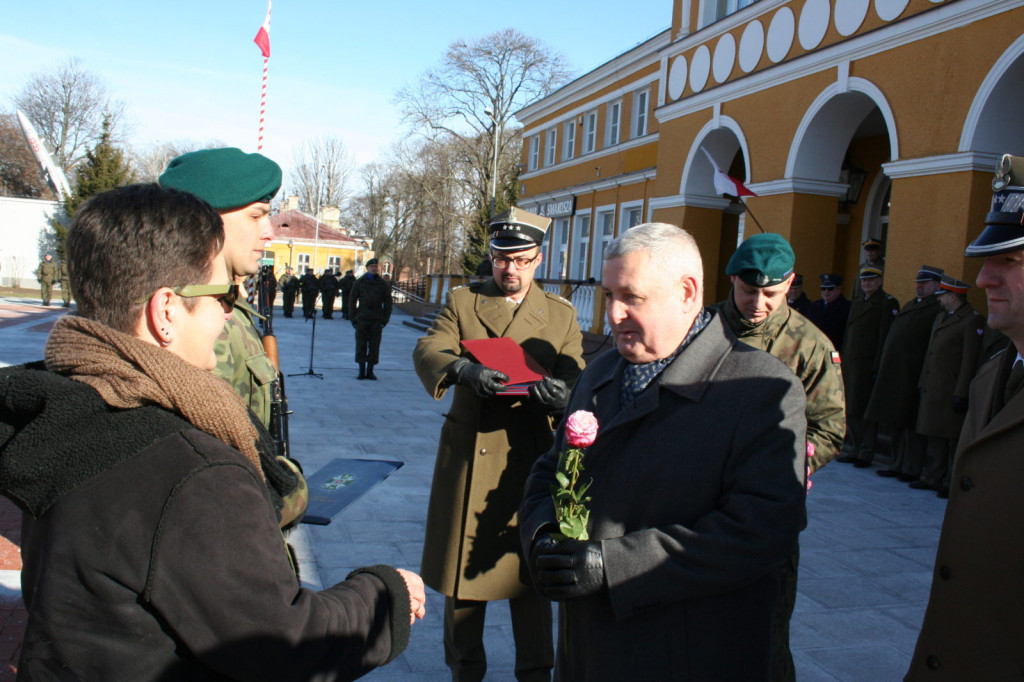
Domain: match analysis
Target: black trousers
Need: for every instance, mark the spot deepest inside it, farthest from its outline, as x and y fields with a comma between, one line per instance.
x=368, y=333
x=289, y=303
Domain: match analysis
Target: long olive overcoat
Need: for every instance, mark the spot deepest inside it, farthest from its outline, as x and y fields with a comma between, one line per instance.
x=973, y=629
x=488, y=445
x=894, y=397
x=948, y=370
x=866, y=329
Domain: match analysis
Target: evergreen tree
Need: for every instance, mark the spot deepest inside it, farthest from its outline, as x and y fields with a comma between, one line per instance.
x=477, y=240
x=105, y=167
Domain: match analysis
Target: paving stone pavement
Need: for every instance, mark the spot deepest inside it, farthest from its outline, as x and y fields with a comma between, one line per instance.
x=866, y=555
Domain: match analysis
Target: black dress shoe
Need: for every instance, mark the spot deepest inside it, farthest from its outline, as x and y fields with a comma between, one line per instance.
x=861, y=463
x=887, y=473
x=922, y=485
x=943, y=493
x=907, y=478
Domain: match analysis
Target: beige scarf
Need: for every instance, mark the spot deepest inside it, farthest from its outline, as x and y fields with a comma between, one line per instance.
x=128, y=372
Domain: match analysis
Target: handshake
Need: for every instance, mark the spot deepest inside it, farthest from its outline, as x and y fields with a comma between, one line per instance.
x=485, y=382
x=566, y=569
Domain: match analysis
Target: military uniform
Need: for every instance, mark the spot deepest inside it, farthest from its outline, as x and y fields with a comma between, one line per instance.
x=371, y=311
x=946, y=377
x=894, y=399
x=65, y=284
x=289, y=287
x=879, y=264
x=346, y=294
x=242, y=362
x=831, y=318
x=866, y=329
x=46, y=273
x=310, y=287
x=329, y=291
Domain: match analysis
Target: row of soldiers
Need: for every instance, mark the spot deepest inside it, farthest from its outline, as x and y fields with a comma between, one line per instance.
x=49, y=273
x=907, y=371
x=327, y=287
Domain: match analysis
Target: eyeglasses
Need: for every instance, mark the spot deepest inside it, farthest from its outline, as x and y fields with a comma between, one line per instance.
x=521, y=262
x=228, y=293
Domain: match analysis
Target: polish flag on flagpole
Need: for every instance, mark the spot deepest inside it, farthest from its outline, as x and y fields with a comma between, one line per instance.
x=262, y=38
x=726, y=184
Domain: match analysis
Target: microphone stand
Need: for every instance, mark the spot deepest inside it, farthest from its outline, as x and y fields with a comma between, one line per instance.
x=312, y=342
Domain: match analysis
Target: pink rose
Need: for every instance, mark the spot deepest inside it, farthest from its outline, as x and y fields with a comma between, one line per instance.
x=581, y=429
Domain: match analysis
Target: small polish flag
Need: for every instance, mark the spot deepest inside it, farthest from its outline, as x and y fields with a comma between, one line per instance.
x=726, y=184
x=262, y=38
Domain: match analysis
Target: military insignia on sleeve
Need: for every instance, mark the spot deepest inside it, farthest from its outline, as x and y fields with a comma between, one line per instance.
x=835, y=357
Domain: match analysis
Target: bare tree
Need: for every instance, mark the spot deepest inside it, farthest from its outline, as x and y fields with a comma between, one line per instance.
x=150, y=163
x=322, y=168
x=68, y=106
x=19, y=171
x=469, y=101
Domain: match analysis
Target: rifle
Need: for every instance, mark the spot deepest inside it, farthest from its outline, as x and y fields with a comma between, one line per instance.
x=278, y=426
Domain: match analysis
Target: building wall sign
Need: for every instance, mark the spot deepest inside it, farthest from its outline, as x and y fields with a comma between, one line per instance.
x=557, y=209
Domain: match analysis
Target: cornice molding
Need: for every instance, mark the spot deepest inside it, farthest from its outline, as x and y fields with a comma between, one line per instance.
x=940, y=165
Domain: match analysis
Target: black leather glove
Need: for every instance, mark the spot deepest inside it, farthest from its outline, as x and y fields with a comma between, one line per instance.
x=567, y=569
x=484, y=381
x=959, y=404
x=551, y=393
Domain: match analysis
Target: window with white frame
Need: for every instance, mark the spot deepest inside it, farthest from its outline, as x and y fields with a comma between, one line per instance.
x=334, y=263
x=640, y=102
x=303, y=263
x=579, y=258
x=590, y=132
x=713, y=10
x=569, y=140
x=534, y=152
x=632, y=215
x=562, y=244
x=604, y=233
x=611, y=128
x=551, y=148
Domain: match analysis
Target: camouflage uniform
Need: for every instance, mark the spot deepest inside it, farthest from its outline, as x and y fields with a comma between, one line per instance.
x=242, y=362
x=805, y=349
x=65, y=284
x=802, y=347
x=46, y=273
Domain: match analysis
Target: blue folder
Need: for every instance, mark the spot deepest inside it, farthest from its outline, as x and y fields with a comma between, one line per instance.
x=340, y=483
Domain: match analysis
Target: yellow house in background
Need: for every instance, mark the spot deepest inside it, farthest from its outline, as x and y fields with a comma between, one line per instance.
x=302, y=241
x=849, y=118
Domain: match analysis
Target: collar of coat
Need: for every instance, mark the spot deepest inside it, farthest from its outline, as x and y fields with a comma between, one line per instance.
x=767, y=328
x=506, y=319
x=688, y=376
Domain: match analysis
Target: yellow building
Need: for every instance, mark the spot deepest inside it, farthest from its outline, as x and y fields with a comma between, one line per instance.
x=848, y=118
x=302, y=241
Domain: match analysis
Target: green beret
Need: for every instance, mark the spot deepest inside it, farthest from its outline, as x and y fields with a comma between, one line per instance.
x=372, y=261
x=762, y=260
x=224, y=178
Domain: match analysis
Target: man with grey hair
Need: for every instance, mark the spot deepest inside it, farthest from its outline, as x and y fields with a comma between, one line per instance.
x=697, y=495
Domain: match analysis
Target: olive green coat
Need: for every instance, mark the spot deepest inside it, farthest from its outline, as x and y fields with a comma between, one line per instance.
x=894, y=398
x=948, y=370
x=805, y=349
x=488, y=446
x=866, y=329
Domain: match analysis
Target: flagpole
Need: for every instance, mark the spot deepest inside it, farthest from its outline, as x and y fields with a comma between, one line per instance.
x=263, y=103
x=746, y=207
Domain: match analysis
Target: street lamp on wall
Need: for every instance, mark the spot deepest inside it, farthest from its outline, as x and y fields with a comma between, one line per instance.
x=494, y=165
x=853, y=178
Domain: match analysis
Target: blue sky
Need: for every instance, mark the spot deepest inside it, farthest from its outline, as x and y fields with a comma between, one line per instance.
x=189, y=69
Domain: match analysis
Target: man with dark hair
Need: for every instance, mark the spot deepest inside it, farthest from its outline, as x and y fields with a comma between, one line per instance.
x=488, y=443
x=973, y=629
x=758, y=313
x=698, y=493
x=371, y=311
x=240, y=187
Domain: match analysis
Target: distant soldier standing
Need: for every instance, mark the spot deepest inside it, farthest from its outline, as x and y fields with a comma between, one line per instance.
x=65, y=284
x=871, y=315
x=371, y=310
x=796, y=298
x=949, y=367
x=894, y=398
x=346, y=294
x=46, y=274
x=289, y=288
x=329, y=291
x=758, y=312
x=873, y=258
x=831, y=312
x=310, y=287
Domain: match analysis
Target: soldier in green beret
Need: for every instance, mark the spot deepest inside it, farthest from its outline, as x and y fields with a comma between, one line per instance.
x=239, y=186
x=758, y=312
x=370, y=312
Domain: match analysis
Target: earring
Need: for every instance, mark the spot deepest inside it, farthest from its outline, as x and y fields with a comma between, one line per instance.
x=166, y=341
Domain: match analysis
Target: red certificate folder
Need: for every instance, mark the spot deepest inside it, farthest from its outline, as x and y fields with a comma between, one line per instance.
x=507, y=356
